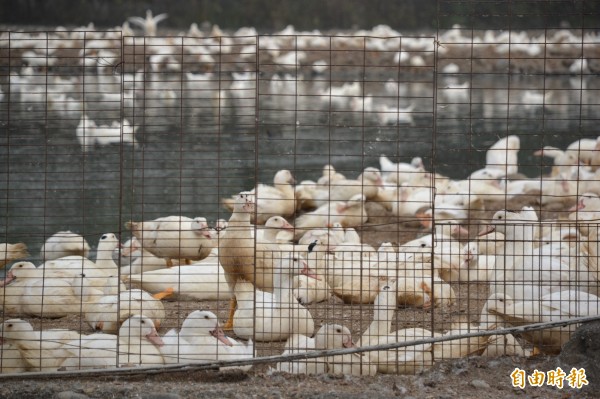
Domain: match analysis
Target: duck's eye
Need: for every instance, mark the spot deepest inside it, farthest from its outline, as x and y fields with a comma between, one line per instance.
x=423, y=245
x=499, y=217
x=104, y=237
x=143, y=321
x=501, y=300
x=9, y=325
x=206, y=316
x=338, y=330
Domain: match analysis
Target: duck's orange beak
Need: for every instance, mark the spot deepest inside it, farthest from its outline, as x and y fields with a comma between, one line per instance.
x=308, y=272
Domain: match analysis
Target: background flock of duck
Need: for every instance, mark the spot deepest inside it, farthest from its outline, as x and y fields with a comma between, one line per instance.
x=289, y=246
x=92, y=71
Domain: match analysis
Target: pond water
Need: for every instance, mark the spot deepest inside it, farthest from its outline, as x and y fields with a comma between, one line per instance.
x=196, y=145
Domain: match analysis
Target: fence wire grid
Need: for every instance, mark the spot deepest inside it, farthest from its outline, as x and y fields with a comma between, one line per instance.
x=281, y=201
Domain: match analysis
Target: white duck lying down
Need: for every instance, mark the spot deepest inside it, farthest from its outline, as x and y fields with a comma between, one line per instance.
x=329, y=336
x=201, y=339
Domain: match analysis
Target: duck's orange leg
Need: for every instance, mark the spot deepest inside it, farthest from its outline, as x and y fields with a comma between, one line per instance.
x=232, y=306
x=161, y=295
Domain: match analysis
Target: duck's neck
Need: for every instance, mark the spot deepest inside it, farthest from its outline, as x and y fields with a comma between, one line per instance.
x=286, y=188
x=519, y=242
x=322, y=341
x=380, y=326
x=270, y=234
x=282, y=286
x=104, y=260
x=239, y=219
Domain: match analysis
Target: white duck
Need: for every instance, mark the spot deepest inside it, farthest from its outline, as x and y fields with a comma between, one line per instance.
x=241, y=255
x=41, y=350
x=408, y=359
x=586, y=210
x=352, y=245
x=30, y=291
x=350, y=364
x=175, y=237
x=475, y=266
x=11, y=360
x=275, y=230
x=501, y=344
x=556, y=189
x=403, y=360
x=203, y=280
x=402, y=172
x=201, y=339
x=460, y=347
x=351, y=213
x=272, y=317
x=521, y=271
x=135, y=259
x=22, y=272
x=99, y=272
x=276, y=200
x=310, y=290
x=148, y=24
x=503, y=155
x=330, y=175
x=19, y=271
x=139, y=342
x=367, y=183
x=329, y=336
x=408, y=201
x=108, y=312
x=10, y=252
x=329, y=236
x=49, y=298
x=351, y=278
x=556, y=306
x=94, y=351
x=384, y=308
x=64, y=243
x=425, y=290
x=315, y=288
x=585, y=150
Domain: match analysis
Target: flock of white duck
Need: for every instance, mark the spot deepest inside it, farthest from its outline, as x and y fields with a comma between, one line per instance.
x=194, y=56
x=272, y=270
x=290, y=48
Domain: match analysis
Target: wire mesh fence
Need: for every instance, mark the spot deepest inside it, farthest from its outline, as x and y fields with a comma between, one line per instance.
x=250, y=195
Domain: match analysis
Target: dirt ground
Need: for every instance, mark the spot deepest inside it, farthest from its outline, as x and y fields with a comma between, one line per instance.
x=465, y=378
